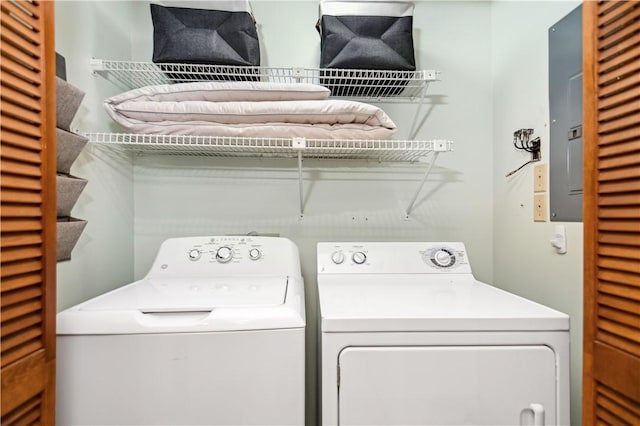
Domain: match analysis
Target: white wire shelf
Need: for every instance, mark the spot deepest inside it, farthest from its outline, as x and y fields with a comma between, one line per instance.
x=372, y=85
x=378, y=150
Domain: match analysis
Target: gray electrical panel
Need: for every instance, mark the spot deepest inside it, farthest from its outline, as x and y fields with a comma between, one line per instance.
x=565, y=110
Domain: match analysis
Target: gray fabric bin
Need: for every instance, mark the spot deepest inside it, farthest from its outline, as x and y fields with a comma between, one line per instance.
x=68, y=147
x=68, y=189
x=68, y=99
x=68, y=231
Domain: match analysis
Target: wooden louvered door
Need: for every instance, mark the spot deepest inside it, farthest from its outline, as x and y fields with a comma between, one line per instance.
x=611, y=212
x=28, y=211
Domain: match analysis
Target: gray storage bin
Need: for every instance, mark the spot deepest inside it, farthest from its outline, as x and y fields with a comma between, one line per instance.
x=68, y=147
x=68, y=189
x=68, y=99
x=69, y=230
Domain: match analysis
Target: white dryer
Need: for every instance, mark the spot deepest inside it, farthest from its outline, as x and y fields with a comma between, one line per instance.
x=409, y=337
x=213, y=335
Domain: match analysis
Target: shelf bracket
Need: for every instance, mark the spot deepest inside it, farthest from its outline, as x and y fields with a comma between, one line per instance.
x=414, y=126
x=438, y=147
x=300, y=144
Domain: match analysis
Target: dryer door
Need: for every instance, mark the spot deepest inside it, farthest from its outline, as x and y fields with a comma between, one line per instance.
x=453, y=385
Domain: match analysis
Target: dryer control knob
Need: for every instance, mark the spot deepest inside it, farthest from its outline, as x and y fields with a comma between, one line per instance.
x=254, y=254
x=194, y=254
x=359, y=257
x=224, y=254
x=443, y=258
x=337, y=257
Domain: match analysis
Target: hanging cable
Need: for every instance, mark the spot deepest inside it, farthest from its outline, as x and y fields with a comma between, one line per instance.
x=521, y=141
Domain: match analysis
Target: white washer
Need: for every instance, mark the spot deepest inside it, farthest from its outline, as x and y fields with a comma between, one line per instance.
x=409, y=337
x=214, y=334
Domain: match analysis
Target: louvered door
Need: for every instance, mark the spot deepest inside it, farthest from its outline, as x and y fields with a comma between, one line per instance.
x=28, y=241
x=612, y=212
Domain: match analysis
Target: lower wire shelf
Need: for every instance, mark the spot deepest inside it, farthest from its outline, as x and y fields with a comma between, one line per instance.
x=387, y=150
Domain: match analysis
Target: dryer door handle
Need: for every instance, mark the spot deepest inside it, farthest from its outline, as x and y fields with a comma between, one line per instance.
x=532, y=415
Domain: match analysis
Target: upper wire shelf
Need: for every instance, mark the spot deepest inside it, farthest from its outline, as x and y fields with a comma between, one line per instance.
x=372, y=85
x=378, y=150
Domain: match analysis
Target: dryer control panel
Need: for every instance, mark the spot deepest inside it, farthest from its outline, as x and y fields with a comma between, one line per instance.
x=393, y=258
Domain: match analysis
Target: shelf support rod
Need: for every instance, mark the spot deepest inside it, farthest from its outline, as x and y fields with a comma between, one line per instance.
x=414, y=125
x=300, y=144
x=424, y=179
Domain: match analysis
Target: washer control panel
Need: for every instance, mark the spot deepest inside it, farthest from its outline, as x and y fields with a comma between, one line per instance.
x=393, y=257
x=226, y=255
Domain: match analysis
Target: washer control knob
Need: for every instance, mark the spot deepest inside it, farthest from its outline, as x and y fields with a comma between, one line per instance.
x=194, y=254
x=255, y=254
x=359, y=257
x=224, y=254
x=337, y=257
x=443, y=258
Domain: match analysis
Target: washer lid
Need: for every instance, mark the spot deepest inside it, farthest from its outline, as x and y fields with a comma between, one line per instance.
x=196, y=305
x=419, y=303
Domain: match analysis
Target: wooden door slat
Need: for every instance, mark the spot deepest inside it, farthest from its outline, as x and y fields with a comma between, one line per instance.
x=20, y=253
x=20, y=140
x=21, y=211
x=10, y=23
x=20, y=154
x=620, y=265
x=619, y=277
x=616, y=341
x=18, y=196
x=621, y=59
x=630, y=95
x=624, y=29
x=615, y=12
x=623, y=291
x=619, y=251
x=617, y=212
x=621, y=110
x=20, y=98
x=625, y=416
x=630, y=321
x=20, y=268
x=25, y=115
x=624, y=239
x=20, y=168
x=20, y=281
x=624, y=83
x=11, y=8
x=20, y=224
x=619, y=399
x=19, y=42
x=619, y=303
x=620, y=136
x=24, y=414
x=25, y=336
x=628, y=147
x=21, y=309
x=13, y=326
x=18, y=69
x=21, y=85
x=24, y=350
x=627, y=173
x=620, y=225
x=21, y=127
x=18, y=55
x=617, y=199
x=632, y=185
x=620, y=123
x=12, y=181
x=619, y=161
x=22, y=239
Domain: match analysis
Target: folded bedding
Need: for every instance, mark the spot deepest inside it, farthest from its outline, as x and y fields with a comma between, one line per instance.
x=247, y=109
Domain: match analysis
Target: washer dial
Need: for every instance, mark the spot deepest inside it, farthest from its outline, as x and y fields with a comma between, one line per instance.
x=255, y=254
x=194, y=254
x=224, y=254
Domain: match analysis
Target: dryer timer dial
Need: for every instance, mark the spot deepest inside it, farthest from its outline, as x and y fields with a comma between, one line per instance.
x=443, y=257
x=224, y=254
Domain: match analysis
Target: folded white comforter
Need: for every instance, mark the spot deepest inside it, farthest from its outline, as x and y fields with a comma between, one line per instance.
x=247, y=109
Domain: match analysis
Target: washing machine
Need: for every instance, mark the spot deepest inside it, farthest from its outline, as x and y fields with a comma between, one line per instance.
x=409, y=337
x=212, y=335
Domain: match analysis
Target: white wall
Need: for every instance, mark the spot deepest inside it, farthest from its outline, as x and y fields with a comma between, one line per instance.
x=103, y=257
x=524, y=261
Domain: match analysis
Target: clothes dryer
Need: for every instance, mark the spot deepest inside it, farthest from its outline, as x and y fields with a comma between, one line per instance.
x=409, y=337
x=214, y=334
